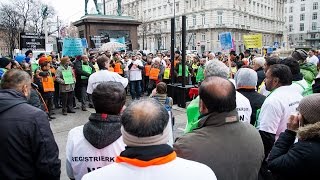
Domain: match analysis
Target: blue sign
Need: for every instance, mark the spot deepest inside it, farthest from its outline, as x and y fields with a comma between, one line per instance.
x=276, y=45
x=269, y=50
x=84, y=43
x=225, y=40
x=72, y=47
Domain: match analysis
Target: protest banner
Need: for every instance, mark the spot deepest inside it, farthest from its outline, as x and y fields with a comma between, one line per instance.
x=225, y=40
x=253, y=41
x=72, y=47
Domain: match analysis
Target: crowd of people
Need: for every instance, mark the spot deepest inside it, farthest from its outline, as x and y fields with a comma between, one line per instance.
x=255, y=117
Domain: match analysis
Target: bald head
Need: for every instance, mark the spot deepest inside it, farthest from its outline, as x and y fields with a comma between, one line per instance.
x=145, y=118
x=217, y=95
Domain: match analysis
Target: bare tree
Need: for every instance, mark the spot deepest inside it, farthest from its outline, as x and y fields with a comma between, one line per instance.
x=10, y=20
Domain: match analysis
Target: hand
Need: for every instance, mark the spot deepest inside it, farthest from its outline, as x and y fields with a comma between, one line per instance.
x=293, y=123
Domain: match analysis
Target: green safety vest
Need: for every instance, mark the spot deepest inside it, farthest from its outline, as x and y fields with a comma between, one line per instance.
x=86, y=68
x=180, y=70
x=200, y=74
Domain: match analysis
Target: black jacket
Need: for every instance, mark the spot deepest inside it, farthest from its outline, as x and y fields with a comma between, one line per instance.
x=261, y=76
x=80, y=72
x=289, y=160
x=28, y=149
x=256, y=101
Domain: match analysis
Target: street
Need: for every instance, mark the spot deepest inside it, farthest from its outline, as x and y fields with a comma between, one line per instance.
x=63, y=124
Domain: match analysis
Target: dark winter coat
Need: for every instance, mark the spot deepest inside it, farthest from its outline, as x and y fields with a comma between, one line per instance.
x=289, y=160
x=80, y=72
x=232, y=149
x=28, y=149
x=256, y=101
x=261, y=76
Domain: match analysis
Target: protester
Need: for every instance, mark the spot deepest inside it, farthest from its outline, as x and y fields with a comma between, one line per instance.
x=5, y=65
x=312, y=58
x=98, y=142
x=217, y=68
x=246, y=82
x=147, y=156
x=269, y=62
x=135, y=77
x=104, y=75
x=298, y=82
x=28, y=149
x=44, y=80
x=258, y=64
x=276, y=109
x=84, y=69
x=220, y=132
x=309, y=70
x=290, y=160
x=200, y=71
x=66, y=80
x=155, y=74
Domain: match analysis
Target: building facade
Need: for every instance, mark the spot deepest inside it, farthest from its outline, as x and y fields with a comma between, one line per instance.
x=205, y=20
x=302, y=19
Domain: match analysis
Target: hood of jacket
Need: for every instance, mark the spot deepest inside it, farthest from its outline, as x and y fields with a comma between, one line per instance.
x=102, y=130
x=310, y=131
x=309, y=67
x=218, y=119
x=10, y=98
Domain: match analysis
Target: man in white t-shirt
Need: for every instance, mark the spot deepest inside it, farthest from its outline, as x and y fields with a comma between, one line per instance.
x=312, y=58
x=147, y=155
x=104, y=75
x=135, y=77
x=98, y=142
x=278, y=106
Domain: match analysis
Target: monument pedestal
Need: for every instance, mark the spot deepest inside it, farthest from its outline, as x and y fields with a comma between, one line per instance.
x=108, y=27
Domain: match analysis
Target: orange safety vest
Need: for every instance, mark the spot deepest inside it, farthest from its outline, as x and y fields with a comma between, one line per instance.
x=147, y=69
x=111, y=69
x=53, y=71
x=117, y=68
x=48, y=83
x=154, y=74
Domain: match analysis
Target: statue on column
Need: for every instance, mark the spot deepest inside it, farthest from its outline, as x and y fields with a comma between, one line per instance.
x=119, y=8
x=86, y=7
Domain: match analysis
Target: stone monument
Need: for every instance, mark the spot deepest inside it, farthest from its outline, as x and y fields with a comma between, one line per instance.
x=98, y=29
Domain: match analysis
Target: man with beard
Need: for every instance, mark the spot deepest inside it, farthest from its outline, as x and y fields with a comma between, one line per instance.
x=29, y=150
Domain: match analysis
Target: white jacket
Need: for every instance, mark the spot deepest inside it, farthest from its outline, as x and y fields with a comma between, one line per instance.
x=82, y=157
x=176, y=169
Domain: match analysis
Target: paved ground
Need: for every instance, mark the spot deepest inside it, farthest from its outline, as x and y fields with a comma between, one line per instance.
x=63, y=124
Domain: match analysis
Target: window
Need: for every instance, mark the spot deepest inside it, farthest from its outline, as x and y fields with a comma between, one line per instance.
x=203, y=37
x=302, y=0
x=194, y=20
x=313, y=35
x=314, y=16
x=290, y=18
x=315, y=5
x=219, y=17
x=302, y=17
x=301, y=26
x=203, y=19
x=290, y=9
x=303, y=7
x=301, y=37
x=177, y=7
x=314, y=26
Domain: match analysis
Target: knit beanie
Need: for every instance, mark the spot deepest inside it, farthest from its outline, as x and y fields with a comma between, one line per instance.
x=309, y=108
x=246, y=79
x=4, y=62
x=49, y=58
x=42, y=60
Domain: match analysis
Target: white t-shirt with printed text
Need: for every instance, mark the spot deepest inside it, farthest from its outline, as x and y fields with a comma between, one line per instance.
x=277, y=108
x=82, y=157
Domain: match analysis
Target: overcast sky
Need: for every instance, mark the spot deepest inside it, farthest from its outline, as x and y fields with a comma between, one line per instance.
x=67, y=10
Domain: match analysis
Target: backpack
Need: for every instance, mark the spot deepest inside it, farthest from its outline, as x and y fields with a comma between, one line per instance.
x=306, y=91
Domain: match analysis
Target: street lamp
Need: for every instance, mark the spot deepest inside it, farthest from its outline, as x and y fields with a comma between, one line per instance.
x=173, y=40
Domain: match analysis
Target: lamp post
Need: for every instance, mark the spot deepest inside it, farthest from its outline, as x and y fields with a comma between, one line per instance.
x=173, y=40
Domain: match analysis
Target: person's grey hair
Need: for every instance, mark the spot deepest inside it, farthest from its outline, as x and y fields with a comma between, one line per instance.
x=259, y=61
x=145, y=118
x=14, y=79
x=216, y=68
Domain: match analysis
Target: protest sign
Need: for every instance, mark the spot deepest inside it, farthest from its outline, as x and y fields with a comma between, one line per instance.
x=253, y=41
x=72, y=47
x=225, y=40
